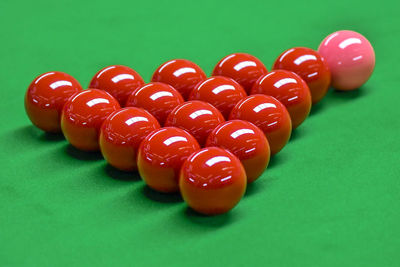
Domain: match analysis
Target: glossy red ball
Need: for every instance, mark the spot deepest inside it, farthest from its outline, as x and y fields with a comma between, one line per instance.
x=310, y=66
x=221, y=92
x=246, y=141
x=270, y=115
x=161, y=155
x=212, y=181
x=120, y=81
x=121, y=134
x=157, y=98
x=290, y=90
x=197, y=117
x=83, y=115
x=243, y=68
x=181, y=74
x=46, y=96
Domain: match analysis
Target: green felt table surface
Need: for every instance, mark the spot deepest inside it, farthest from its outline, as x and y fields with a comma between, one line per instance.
x=330, y=198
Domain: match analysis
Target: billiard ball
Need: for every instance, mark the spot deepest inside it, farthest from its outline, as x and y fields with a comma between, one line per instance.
x=212, y=181
x=246, y=141
x=197, y=117
x=120, y=81
x=157, y=98
x=181, y=74
x=45, y=98
x=267, y=113
x=291, y=90
x=121, y=134
x=350, y=57
x=83, y=115
x=310, y=66
x=221, y=92
x=243, y=68
x=161, y=155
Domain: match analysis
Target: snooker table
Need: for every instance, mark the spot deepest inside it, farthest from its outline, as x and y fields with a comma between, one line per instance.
x=331, y=197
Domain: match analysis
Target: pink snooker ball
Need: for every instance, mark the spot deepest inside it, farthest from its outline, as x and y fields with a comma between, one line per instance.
x=350, y=57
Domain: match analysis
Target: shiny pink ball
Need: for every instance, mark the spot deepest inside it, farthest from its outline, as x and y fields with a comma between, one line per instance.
x=350, y=57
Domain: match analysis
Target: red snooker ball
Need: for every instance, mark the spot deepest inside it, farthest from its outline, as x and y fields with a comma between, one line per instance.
x=45, y=98
x=310, y=66
x=157, y=98
x=197, y=117
x=246, y=141
x=290, y=90
x=121, y=134
x=242, y=67
x=267, y=113
x=212, y=181
x=119, y=81
x=221, y=92
x=161, y=155
x=181, y=74
x=83, y=115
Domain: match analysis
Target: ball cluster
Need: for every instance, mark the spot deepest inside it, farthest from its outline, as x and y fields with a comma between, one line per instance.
x=206, y=138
